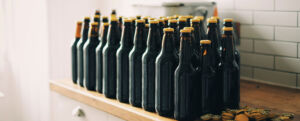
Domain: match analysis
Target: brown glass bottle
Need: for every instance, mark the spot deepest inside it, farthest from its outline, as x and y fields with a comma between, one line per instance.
x=228, y=23
x=212, y=34
x=148, y=67
x=208, y=77
x=135, y=65
x=165, y=66
x=123, y=62
x=99, y=57
x=74, y=51
x=80, y=44
x=109, y=59
x=89, y=58
x=231, y=72
x=184, y=78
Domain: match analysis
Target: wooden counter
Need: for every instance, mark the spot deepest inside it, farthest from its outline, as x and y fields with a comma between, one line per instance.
x=253, y=94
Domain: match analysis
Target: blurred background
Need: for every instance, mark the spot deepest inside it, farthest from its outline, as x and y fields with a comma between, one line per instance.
x=35, y=39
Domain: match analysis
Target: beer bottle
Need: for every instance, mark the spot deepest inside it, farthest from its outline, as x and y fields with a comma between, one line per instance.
x=165, y=66
x=133, y=25
x=104, y=19
x=74, y=51
x=135, y=64
x=231, y=81
x=183, y=78
x=120, y=23
x=219, y=31
x=146, y=19
x=148, y=72
x=181, y=25
x=228, y=23
x=97, y=19
x=99, y=57
x=166, y=22
x=80, y=44
x=208, y=77
x=212, y=34
x=138, y=17
x=113, y=14
x=188, y=20
x=161, y=24
x=89, y=58
x=173, y=24
x=123, y=62
x=146, y=32
x=109, y=59
x=202, y=28
x=97, y=12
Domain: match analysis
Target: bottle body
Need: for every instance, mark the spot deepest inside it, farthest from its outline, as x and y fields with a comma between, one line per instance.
x=74, y=60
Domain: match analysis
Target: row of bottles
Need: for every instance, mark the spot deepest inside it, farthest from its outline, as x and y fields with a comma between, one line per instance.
x=170, y=65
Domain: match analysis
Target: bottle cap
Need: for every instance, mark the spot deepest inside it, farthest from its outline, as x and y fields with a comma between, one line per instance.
x=96, y=16
x=105, y=24
x=168, y=29
x=120, y=16
x=200, y=17
x=185, y=31
x=95, y=24
x=147, y=25
x=160, y=20
x=191, y=28
x=227, y=28
x=127, y=20
x=104, y=17
x=138, y=16
x=190, y=16
x=151, y=18
x=173, y=21
x=146, y=17
x=153, y=22
x=86, y=18
x=195, y=20
x=211, y=20
x=161, y=17
x=166, y=19
x=113, y=19
x=216, y=17
x=228, y=20
x=133, y=18
x=140, y=21
x=182, y=19
x=206, y=42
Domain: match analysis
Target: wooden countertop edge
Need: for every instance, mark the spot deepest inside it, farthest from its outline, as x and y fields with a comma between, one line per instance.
x=98, y=101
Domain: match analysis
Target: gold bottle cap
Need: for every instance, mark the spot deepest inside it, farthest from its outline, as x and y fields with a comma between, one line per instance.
x=105, y=24
x=160, y=20
x=168, y=29
x=166, y=19
x=95, y=24
x=140, y=21
x=200, y=17
x=120, y=16
x=104, y=17
x=96, y=16
x=228, y=20
x=173, y=21
x=133, y=18
x=146, y=17
x=191, y=28
x=153, y=22
x=215, y=17
x=211, y=20
x=113, y=19
x=195, y=20
x=206, y=42
x=151, y=18
x=127, y=20
x=185, y=31
x=138, y=16
x=86, y=18
x=182, y=19
x=227, y=28
x=190, y=16
x=147, y=25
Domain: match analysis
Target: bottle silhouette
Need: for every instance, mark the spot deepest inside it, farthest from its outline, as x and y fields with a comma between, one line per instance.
x=188, y=20
x=133, y=25
x=74, y=52
x=148, y=72
x=181, y=24
x=212, y=34
x=208, y=78
x=173, y=24
x=161, y=24
x=231, y=72
x=146, y=32
x=166, y=22
x=79, y=45
x=109, y=59
x=165, y=66
x=99, y=57
x=219, y=31
x=135, y=64
x=228, y=23
x=97, y=19
x=89, y=58
x=123, y=62
x=184, y=78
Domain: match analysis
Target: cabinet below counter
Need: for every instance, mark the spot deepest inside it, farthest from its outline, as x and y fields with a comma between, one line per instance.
x=253, y=94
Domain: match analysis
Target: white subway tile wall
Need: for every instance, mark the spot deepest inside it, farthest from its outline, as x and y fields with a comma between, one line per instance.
x=270, y=38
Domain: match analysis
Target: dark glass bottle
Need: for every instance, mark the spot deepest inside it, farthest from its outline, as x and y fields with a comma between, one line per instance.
x=89, y=58
x=219, y=31
x=120, y=23
x=148, y=72
x=99, y=57
x=161, y=24
x=146, y=19
x=104, y=19
x=231, y=72
x=165, y=66
x=146, y=32
x=212, y=34
x=80, y=44
x=97, y=12
x=208, y=77
x=109, y=59
x=188, y=20
x=228, y=23
x=123, y=62
x=173, y=24
x=202, y=28
x=74, y=52
x=113, y=13
x=97, y=19
x=133, y=25
x=166, y=22
x=184, y=78
x=135, y=65
x=181, y=25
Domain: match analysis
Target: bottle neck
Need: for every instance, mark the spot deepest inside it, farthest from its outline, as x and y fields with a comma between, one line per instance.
x=94, y=32
x=167, y=43
x=139, y=42
x=228, y=47
x=173, y=25
x=153, y=41
x=85, y=31
x=104, y=32
x=212, y=34
x=181, y=25
x=127, y=35
x=185, y=51
x=206, y=54
x=113, y=34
